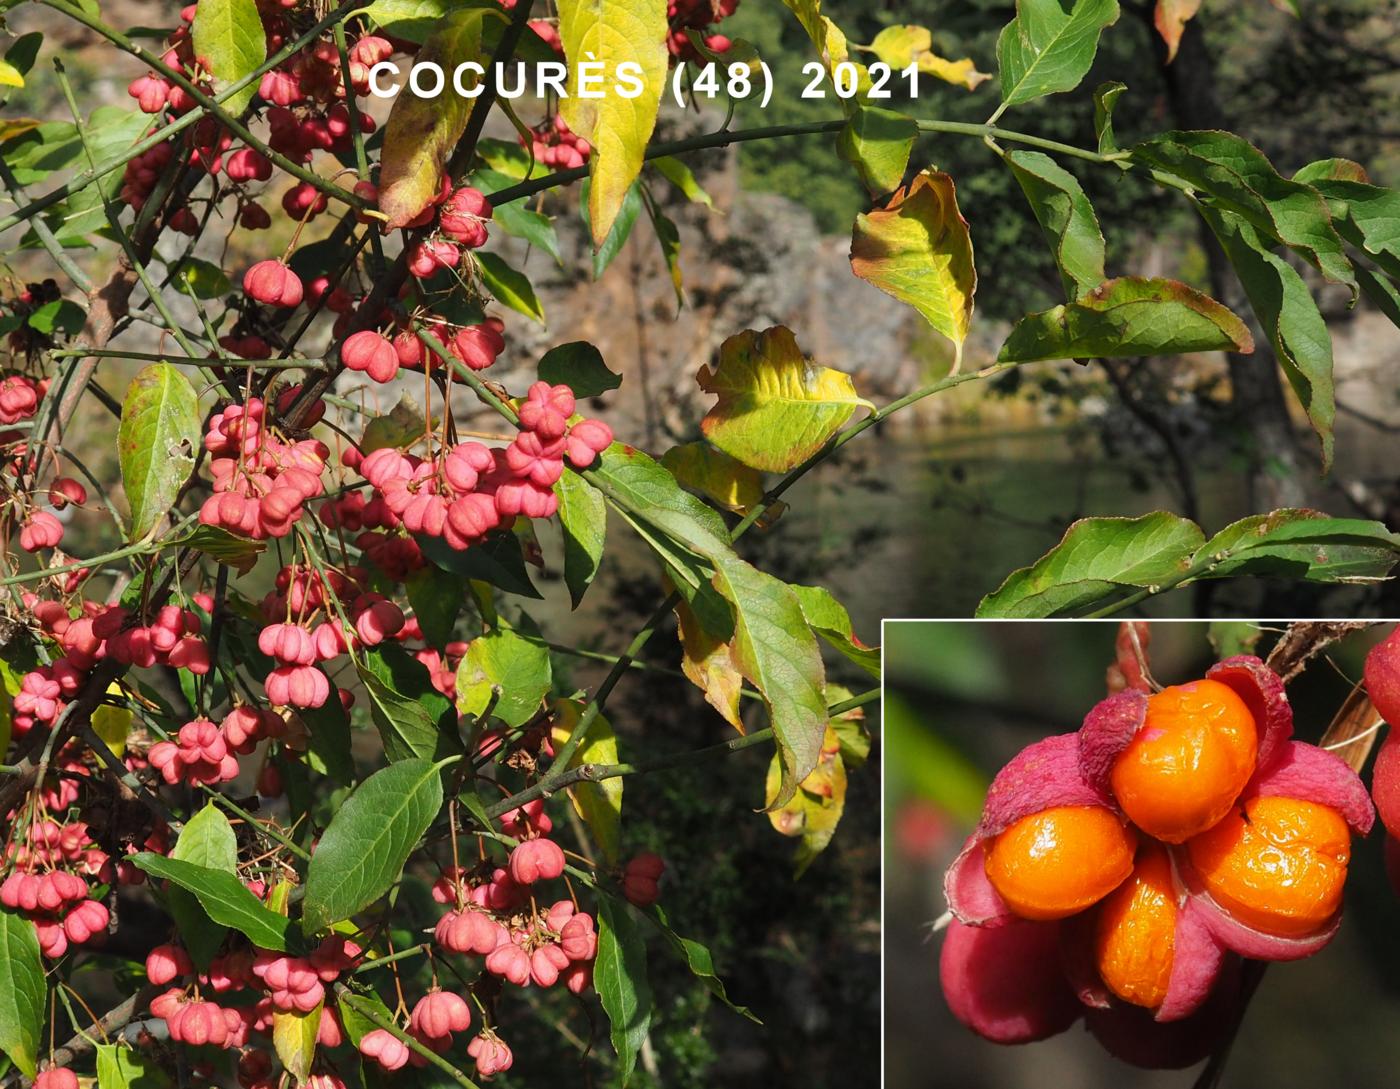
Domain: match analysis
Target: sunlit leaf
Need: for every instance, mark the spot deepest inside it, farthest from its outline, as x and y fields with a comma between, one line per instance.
x=159, y=433
x=917, y=249
x=231, y=43
x=505, y=673
x=1050, y=46
x=1170, y=18
x=23, y=993
x=610, y=34
x=421, y=132
x=1129, y=316
x=364, y=848
x=715, y=474
x=901, y=46
x=775, y=407
x=599, y=804
x=1065, y=215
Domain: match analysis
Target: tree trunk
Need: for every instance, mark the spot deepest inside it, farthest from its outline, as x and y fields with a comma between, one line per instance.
x=1263, y=430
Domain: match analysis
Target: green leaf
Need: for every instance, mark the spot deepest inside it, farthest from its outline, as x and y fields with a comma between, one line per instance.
x=1236, y=177
x=620, y=977
x=516, y=218
x=436, y=596
x=1050, y=45
x=1065, y=215
x=357, y=1025
x=599, y=804
x=1105, y=96
x=774, y=649
x=412, y=20
x=1289, y=317
x=681, y=176
x=878, y=144
x=583, y=517
x=698, y=959
x=401, y=426
x=224, y=898
x=120, y=1067
x=159, y=433
x=224, y=547
x=414, y=718
x=631, y=32
x=363, y=850
x=828, y=618
x=202, y=279
x=508, y=286
x=1302, y=545
x=207, y=839
x=1098, y=559
x=918, y=250
x=230, y=40
x=772, y=644
x=497, y=560
x=294, y=1040
x=621, y=230
x=1102, y=560
x=1129, y=316
x=506, y=673
x=60, y=315
x=421, y=132
x=578, y=365
x=328, y=730
x=776, y=407
x=668, y=237
x=1383, y=293
x=23, y=993
x=1367, y=216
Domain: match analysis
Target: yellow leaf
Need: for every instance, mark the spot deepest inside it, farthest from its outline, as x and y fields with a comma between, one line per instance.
x=901, y=46
x=294, y=1037
x=598, y=804
x=710, y=666
x=1171, y=18
x=10, y=75
x=776, y=408
x=112, y=724
x=726, y=480
x=421, y=132
x=620, y=44
x=17, y=126
x=814, y=812
x=918, y=249
x=831, y=46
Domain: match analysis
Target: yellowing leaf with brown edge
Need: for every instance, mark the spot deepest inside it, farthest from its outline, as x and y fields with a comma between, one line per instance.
x=421, y=132
x=622, y=42
x=917, y=248
x=901, y=46
x=728, y=481
x=599, y=804
x=776, y=407
x=710, y=666
x=1170, y=19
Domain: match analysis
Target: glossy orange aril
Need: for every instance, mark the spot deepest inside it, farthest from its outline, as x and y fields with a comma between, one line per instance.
x=1276, y=864
x=1135, y=931
x=1188, y=762
x=1059, y=861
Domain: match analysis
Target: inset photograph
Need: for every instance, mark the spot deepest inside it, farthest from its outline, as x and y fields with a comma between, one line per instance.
x=1141, y=854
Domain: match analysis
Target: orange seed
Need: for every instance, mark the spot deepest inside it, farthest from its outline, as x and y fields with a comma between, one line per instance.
x=1059, y=861
x=1276, y=864
x=1187, y=764
x=1135, y=932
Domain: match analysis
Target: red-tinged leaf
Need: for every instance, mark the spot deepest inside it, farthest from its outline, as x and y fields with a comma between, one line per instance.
x=1171, y=18
x=421, y=132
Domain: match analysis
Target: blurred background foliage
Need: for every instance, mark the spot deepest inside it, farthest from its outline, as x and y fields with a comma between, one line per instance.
x=960, y=700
